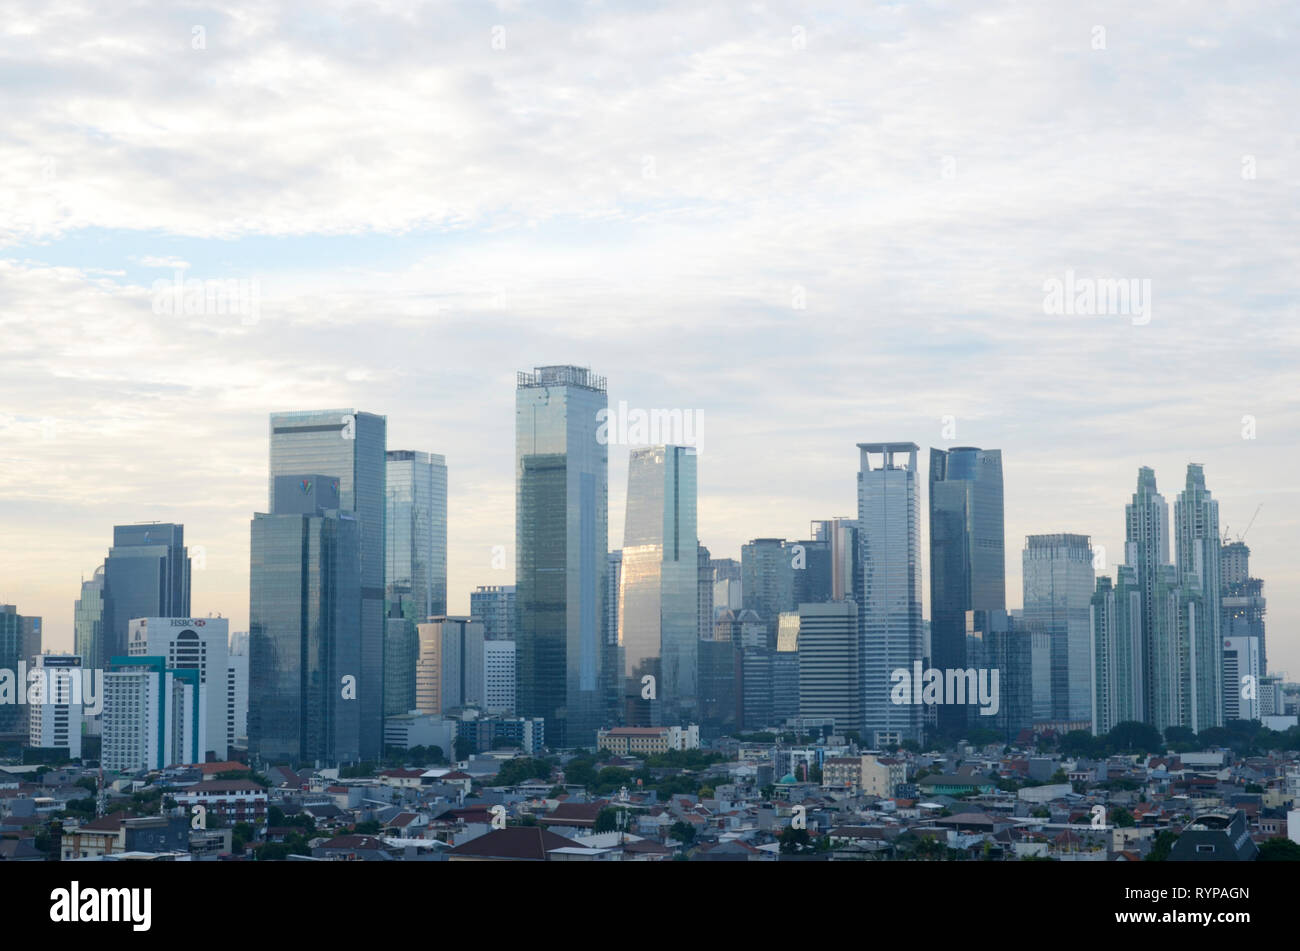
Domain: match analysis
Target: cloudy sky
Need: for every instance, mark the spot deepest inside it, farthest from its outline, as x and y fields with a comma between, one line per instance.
x=812, y=224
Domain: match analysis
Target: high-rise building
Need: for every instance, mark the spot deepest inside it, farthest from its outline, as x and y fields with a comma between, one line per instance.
x=351, y=447
x=415, y=524
x=1241, y=676
x=1059, y=583
x=704, y=589
x=562, y=538
x=611, y=675
x=1146, y=550
x=451, y=669
x=830, y=680
x=151, y=715
x=401, y=652
x=493, y=606
x=305, y=611
x=1197, y=546
x=658, y=612
x=1241, y=602
x=20, y=643
x=55, y=722
x=727, y=594
x=841, y=535
x=200, y=644
x=1186, y=671
x=967, y=556
x=146, y=574
x=1000, y=642
x=1116, y=620
x=499, y=676
x=88, y=619
x=889, y=588
x=237, y=691
x=767, y=581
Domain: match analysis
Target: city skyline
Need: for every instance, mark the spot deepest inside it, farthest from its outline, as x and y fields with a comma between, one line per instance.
x=58, y=636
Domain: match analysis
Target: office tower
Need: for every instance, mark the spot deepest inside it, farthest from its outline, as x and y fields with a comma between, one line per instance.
x=785, y=669
x=349, y=446
x=151, y=715
x=1146, y=550
x=1241, y=603
x=200, y=644
x=55, y=722
x=967, y=557
x=841, y=534
x=88, y=618
x=767, y=580
x=830, y=680
x=451, y=669
x=742, y=628
x=1186, y=670
x=401, y=652
x=996, y=641
x=493, y=606
x=562, y=538
x=1117, y=645
x=20, y=644
x=1059, y=583
x=812, y=575
x=658, y=614
x=146, y=574
x=727, y=594
x=237, y=691
x=704, y=589
x=720, y=673
x=416, y=532
x=612, y=660
x=305, y=609
x=499, y=676
x=1241, y=676
x=889, y=589
x=1196, y=553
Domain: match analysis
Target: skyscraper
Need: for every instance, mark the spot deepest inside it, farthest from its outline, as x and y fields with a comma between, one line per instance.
x=146, y=574
x=1146, y=549
x=200, y=644
x=1186, y=670
x=416, y=533
x=658, y=614
x=1197, y=547
x=493, y=606
x=304, y=614
x=1059, y=583
x=562, y=537
x=1117, y=645
x=20, y=643
x=1241, y=601
x=349, y=446
x=967, y=556
x=767, y=581
x=830, y=681
x=88, y=619
x=889, y=590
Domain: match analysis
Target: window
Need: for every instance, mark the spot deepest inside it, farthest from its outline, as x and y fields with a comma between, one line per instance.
x=1205, y=848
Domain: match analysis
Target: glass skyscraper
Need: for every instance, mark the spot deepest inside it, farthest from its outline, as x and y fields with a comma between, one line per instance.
x=967, y=554
x=1117, y=648
x=349, y=446
x=416, y=527
x=1059, y=583
x=889, y=587
x=562, y=537
x=767, y=581
x=88, y=619
x=304, y=614
x=658, y=612
x=1146, y=550
x=146, y=574
x=1241, y=602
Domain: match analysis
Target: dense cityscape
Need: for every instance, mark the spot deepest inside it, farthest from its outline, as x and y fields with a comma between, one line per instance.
x=659, y=701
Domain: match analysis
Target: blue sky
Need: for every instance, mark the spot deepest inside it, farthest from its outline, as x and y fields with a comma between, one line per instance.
x=815, y=226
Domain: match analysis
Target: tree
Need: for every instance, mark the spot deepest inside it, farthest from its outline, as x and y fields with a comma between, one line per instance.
x=1132, y=736
x=1278, y=850
x=794, y=840
x=369, y=827
x=606, y=820
x=1164, y=841
x=463, y=747
x=1122, y=818
x=683, y=832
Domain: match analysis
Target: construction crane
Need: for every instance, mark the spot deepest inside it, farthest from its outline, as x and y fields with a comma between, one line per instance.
x=1242, y=536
